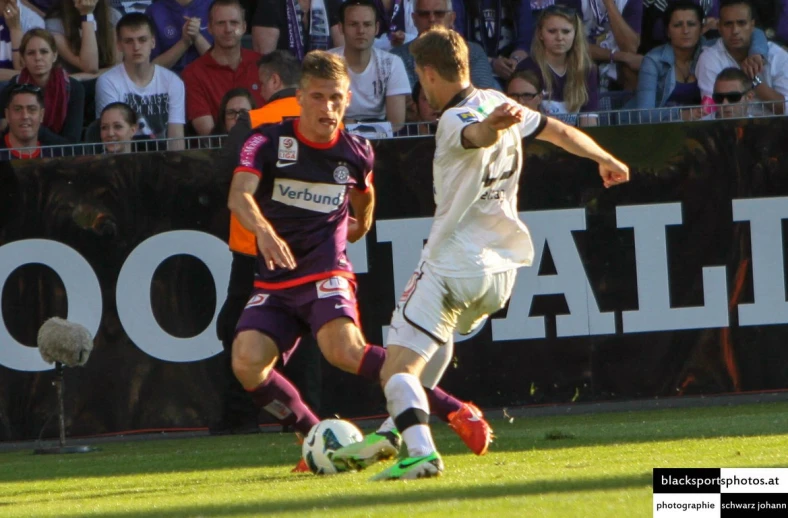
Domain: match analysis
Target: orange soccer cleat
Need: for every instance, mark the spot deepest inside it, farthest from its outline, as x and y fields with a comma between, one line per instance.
x=468, y=422
x=301, y=467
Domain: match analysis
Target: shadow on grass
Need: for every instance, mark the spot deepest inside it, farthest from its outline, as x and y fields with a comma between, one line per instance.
x=30, y=495
x=414, y=495
x=223, y=453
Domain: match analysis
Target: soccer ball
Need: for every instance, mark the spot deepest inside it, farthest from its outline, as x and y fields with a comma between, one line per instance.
x=325, y=438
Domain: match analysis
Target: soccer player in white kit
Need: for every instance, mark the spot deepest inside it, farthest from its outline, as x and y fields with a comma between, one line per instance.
x=477, y=241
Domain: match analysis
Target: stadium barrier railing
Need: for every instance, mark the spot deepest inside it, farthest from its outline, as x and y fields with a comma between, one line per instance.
x=627, y=117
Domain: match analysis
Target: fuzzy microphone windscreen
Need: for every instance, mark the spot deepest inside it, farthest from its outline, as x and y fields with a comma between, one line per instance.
x=66, y=342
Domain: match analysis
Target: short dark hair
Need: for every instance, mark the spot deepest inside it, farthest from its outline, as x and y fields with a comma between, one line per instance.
x=682, y=5
x=730, y=3
x=25, y=88
x=283, y=64
x=733, y=74
x=231, y=94
x=358, y=3
x=530, y=77
x=135, y=21
x=227, y=3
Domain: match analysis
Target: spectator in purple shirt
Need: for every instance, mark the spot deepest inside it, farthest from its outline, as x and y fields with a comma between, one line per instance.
x=504, y=29
x=781, y=29
x=613, y=31
x=181, y=32
x=559, y=55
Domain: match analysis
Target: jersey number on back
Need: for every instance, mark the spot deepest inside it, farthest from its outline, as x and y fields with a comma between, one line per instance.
x=497, y=172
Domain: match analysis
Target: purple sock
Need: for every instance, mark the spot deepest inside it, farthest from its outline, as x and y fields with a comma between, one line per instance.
x=372, y=362
x=442, y=403
x=281, y=399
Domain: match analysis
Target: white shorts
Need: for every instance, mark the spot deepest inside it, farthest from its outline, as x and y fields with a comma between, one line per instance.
x=432, y=307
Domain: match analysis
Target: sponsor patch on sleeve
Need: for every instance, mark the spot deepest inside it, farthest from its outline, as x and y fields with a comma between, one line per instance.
x=250, y=149
x=467, y=117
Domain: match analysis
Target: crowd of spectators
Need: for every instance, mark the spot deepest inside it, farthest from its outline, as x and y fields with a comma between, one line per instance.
x=102, y=70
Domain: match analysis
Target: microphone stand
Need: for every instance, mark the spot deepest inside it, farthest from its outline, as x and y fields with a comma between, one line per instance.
x=61, y=448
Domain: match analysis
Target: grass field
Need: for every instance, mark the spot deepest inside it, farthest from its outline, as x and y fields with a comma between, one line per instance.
x=594, y=465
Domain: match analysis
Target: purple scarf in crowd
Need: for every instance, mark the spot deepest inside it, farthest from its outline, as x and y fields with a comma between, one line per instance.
x=393, y=21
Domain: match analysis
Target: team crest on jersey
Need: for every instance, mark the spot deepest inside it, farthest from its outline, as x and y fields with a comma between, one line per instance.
x=468, y=117
x=333, y=287
x=341, y=173
x=257, y=300
x=288, y=148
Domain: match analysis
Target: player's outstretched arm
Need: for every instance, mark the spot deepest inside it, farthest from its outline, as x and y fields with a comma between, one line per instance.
x=363, y=204
x=242, y=203
x=612, y=170
x=487, y=132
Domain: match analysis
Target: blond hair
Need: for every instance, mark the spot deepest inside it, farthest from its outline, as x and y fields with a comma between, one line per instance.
x=320, y=64
x=445, y=51
x=578, y=61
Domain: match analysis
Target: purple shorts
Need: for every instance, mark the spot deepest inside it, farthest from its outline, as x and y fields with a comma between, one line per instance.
x=286, y=314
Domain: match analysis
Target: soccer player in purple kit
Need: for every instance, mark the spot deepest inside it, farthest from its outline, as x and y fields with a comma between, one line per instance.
x=293, y=188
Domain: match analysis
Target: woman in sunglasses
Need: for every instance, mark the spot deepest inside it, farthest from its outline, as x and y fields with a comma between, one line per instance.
x=233, y=103
x=667, y=74
x=559, y=56
x=64, y=96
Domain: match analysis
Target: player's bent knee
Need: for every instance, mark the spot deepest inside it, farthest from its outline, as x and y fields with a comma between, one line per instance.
x=253, y=356
x=342, y=344
x=340, y=355
x=401, y=360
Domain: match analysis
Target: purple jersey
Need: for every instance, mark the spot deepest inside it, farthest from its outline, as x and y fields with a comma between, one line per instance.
x=303, y=194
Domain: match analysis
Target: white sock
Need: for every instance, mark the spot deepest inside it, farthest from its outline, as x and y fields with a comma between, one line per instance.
x=404, y=392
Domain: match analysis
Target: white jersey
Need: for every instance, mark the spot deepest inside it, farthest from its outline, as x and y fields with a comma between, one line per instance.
x=476, y=230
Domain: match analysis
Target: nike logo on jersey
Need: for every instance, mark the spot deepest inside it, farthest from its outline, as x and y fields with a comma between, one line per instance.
x=279, y=163
x=339, y=306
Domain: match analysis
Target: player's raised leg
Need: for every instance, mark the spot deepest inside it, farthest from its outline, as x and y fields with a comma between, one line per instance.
x=344, y=346
x=467, y=420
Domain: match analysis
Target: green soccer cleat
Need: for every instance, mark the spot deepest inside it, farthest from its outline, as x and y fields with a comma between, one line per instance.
x=411, y=468
x=375, y=447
